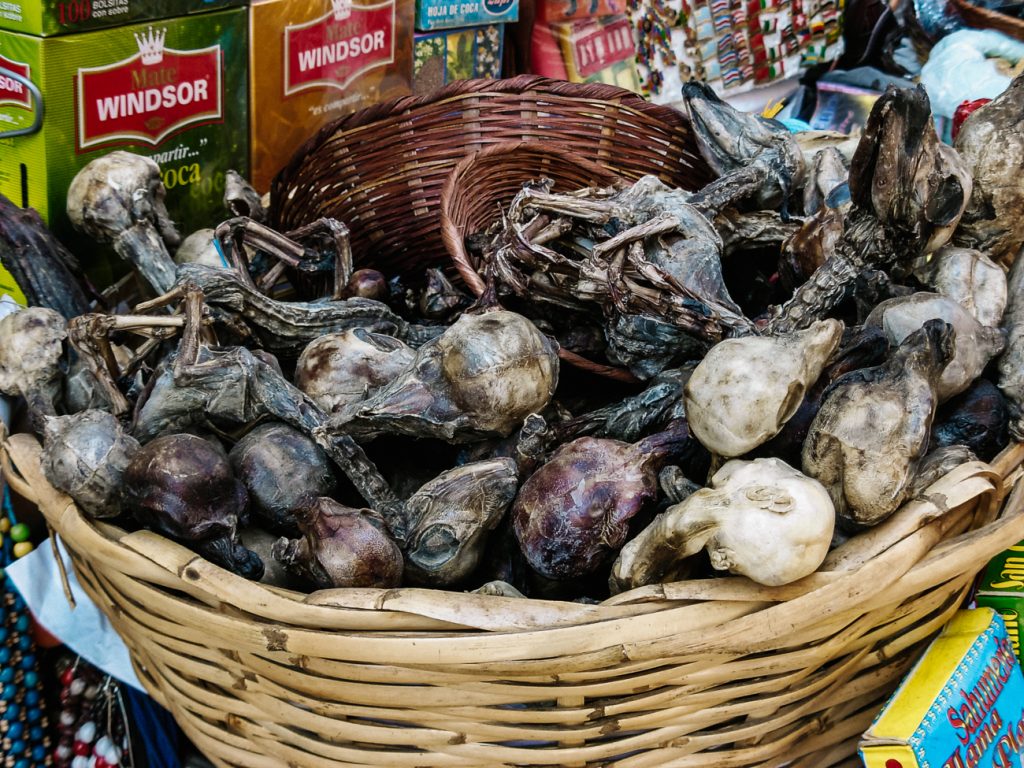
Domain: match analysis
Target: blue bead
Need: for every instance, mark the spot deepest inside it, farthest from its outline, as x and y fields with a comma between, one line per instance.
x=37, y=733
x=15, y=730
x=13, y=712
x=21, y=625
x=23, y=764
x=32, y=698
x=7, y=675
x=31, y=679
x=8, y=693
x=19, y=602
x=18, y=747
x=5, y=655
x=35, y=715
x=28, y=661
x=39, y=754
x=3, y=634
x=25, y=643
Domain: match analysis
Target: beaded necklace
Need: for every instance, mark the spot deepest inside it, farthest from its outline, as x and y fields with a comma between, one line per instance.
x=24, y=741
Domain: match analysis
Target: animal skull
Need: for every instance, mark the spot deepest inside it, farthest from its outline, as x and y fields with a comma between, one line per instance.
x=119, y=199
x=761, y=519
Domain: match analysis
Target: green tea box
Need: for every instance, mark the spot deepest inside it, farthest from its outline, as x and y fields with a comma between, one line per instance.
x=175, y=91
x=61, y=17
x=1001, y=587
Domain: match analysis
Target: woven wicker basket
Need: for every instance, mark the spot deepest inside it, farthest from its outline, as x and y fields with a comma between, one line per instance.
x=381, y=170
x=718, y=673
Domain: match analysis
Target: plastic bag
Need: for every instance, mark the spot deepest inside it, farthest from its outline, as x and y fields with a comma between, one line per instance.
x=962, y=67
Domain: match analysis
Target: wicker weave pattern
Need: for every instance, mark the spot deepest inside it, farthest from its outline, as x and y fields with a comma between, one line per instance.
x=704, y=673
x=381, y=170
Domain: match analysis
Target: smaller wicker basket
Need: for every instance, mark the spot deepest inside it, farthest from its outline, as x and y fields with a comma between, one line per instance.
x=484, y=183
x=381, y=170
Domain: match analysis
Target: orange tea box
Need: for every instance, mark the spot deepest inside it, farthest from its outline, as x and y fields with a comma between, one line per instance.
x=313, y=61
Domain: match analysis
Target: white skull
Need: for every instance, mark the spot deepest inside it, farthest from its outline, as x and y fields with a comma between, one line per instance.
x=761, y=519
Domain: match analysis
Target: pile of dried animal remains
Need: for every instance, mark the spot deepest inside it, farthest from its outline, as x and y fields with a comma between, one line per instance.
x=815, y=337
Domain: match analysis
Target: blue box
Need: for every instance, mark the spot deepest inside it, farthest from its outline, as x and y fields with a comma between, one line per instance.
x=448, y=14
x=960, y=706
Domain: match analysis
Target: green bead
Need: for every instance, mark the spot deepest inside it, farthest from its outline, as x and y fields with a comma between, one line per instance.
x=20, y=532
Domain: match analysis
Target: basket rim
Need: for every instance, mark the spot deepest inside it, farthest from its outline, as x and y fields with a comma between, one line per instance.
x=650, y=622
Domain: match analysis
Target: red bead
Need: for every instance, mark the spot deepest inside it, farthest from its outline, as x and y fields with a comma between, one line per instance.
x=67, y=676
x=101, y=763
x=83, y=749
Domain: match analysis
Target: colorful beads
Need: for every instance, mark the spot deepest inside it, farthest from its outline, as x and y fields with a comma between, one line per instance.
x=20, y=533
x=24, y=740
x=22, y=548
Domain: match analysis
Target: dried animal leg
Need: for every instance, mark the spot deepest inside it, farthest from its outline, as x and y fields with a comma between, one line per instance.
x=629, y=419
x=285, y=328
x=757, y=229
x=90, y=336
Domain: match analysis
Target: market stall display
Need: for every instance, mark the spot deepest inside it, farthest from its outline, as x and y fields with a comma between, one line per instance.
x=510, y=422
x=533, y=557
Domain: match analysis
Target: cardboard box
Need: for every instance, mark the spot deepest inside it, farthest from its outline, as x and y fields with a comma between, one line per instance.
x=60, y=17
x=1001, y=586
x=555, y=11
x=10, y=291
x=451, y=14
x=313, y=61
x=175, y=91
x=592, y=51
x=456, y=54
x=961, y=705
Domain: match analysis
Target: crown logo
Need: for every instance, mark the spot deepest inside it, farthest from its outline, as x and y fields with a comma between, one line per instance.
x=342, y=9
x=151, y=45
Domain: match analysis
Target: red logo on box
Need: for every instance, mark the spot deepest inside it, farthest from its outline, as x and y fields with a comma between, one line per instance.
x=12, y=91
x=149, y=96
x=335, y=49
x=598, y=47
